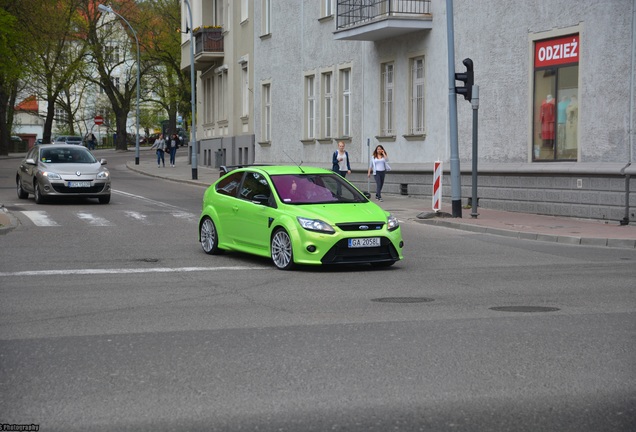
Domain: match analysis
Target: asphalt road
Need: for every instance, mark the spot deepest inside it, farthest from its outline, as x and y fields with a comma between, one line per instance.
x=114, y=319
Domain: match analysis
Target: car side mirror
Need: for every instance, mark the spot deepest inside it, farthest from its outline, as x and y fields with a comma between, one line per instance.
x=103, y=161
x=30, y=161
x=261, y=199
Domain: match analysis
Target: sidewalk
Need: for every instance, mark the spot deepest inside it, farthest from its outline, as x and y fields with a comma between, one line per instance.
x=511, y=224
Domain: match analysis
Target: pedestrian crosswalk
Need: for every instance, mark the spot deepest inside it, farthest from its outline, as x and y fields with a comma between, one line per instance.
x=45, y=219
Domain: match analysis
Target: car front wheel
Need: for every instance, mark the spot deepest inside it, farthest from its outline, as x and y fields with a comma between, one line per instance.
x=209, y=237
x=104, y=199
x=22, y=194
x=281, y=249
x=39, y=199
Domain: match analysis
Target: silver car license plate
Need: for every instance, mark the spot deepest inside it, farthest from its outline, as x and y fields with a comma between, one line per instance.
x=79, y=184
x=364, y=242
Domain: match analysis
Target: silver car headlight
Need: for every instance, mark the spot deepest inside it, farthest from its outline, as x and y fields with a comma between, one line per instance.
x=102, y=175
x=392, y=223
x=315, y=225
x=51, y=175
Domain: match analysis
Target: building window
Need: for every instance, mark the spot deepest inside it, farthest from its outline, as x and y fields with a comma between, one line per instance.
x=345, y=102
x=310, y=107
x=245, y=90
x=267, y=113
x=327, y=104
x=386, y=115
x=267, y=17
x=416, y=124
x=208, y=107
x=327, y=8
x=222, y=95
x=244, y=10
x=556, y=90
x=112, y=54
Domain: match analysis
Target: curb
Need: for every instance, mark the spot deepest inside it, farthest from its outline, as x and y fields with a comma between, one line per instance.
x=7, y=221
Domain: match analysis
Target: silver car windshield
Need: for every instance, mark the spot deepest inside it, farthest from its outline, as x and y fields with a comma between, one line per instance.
x=66, y=155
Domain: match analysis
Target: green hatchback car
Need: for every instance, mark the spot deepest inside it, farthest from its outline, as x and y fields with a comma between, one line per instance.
x=297, y=215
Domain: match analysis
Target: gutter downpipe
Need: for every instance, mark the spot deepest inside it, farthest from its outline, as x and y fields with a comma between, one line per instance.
x=625, y=220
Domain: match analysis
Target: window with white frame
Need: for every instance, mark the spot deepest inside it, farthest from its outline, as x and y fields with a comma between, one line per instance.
x=386, y=115
x=267, y=17
x=328, y=8
x=327, y=104
x=244, y=10
x=208, y=107
x=310, y=106
x=345, y=102
x=222, y=95
x=112, y=54
x=245, y=90
x=267, y=112
x=416, y=123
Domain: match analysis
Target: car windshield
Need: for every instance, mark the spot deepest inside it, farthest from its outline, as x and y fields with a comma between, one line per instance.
x=67, y=155
x=315, y=189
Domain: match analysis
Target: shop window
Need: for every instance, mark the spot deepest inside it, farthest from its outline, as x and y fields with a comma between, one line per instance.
x=556, y=81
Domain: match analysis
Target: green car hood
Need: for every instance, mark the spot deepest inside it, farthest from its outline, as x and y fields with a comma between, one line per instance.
x=340, y=213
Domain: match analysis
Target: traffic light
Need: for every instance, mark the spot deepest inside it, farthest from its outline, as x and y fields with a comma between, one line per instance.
x=467, y=78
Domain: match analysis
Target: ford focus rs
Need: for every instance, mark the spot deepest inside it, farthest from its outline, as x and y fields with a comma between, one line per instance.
x=297, y=215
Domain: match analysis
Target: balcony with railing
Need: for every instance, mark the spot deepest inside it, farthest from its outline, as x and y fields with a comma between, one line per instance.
x=373, y=20
x=208, y=46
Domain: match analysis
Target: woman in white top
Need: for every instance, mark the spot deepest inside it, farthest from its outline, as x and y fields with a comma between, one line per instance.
x=379, y=164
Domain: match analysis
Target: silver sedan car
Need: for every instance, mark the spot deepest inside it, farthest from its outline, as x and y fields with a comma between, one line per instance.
x=55, y=170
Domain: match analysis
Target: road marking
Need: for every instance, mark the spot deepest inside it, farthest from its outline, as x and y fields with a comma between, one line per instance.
x=93, y=220
x=127, y=271
x=40, y=218
x=136, y=215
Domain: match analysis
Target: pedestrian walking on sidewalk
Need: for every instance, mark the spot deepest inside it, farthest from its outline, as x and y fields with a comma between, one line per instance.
x=340, y=160
x=379, y=164
x=172, y=148
x=160, y=145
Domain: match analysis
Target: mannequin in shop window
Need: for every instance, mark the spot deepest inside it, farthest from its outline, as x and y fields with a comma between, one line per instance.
x=547, y=121
x=561, y=118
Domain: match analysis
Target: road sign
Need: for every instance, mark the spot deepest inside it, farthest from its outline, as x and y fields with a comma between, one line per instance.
x=98, y=120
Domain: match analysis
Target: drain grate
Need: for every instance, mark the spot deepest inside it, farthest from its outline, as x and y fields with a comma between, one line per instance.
x=403, y=300
x=524, y=309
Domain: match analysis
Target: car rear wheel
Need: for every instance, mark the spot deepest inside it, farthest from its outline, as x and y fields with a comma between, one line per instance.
x=22, y=194
x=209, y=237
x=39, y=199
x=104, y=199
x=281, y=249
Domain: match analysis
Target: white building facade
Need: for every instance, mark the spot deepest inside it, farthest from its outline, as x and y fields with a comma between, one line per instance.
x=556, y=81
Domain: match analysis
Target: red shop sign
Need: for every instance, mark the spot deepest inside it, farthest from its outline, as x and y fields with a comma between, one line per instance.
x=556, y=51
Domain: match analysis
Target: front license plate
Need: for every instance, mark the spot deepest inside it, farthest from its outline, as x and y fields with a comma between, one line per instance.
x=79, y=184
x=364, y=242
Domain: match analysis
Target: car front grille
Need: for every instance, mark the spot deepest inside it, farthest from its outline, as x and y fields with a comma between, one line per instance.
x=59, y=188
x=340, y=253
x=361, y=226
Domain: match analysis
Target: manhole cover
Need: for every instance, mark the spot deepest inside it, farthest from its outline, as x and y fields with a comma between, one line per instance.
x=524, y=309
x=403, y=300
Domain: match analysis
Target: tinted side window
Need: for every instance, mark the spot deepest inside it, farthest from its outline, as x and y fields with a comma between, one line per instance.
x=255, y=185
x=229, y=185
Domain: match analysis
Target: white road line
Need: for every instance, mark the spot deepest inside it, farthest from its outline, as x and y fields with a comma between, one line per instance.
x=136, y=215
x=93, y=220
x=185, y=215
x=40, y=218
x=139, y=197
x=126, y=271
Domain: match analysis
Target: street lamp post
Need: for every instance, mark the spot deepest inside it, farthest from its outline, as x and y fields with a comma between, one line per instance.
x=109, y=9
x=194, y=146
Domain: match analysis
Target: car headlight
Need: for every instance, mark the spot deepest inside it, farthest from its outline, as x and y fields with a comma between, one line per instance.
x=315, y=225
x=51, y=175
x=102, y=175
x=392, y=223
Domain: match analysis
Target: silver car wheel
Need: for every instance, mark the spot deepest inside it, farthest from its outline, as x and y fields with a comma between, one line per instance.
x=208, y=236
x=281, y=249
x=22, y=194
x=39, y=199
